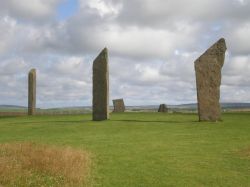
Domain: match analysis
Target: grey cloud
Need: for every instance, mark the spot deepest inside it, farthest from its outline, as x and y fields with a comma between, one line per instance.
x=26, y=10
x=238, y=38
x=152, y=46
x=158, y=13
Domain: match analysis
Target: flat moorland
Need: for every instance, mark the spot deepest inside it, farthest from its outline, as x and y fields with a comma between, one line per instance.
x=143, y=149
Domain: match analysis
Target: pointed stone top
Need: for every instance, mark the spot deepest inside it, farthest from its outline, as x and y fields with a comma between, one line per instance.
x=217, y=49
x=33, y=70
x=103, y=55
x=220, y=45
x=221, y=40
x=104, y=51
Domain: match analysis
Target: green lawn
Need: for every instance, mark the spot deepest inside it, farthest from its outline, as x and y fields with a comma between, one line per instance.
x=148, y=149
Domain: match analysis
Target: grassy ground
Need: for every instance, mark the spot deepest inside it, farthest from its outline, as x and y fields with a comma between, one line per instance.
x=147, y=149
x=30, y=164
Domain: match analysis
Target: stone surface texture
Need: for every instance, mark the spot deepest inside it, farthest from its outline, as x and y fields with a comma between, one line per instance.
x=163, y=108
x=118, y=105
x=101, y=87
x=32, y=92
x=208, y=80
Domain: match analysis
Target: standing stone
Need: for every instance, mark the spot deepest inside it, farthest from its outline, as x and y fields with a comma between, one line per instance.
x=118, y=105
x=32, y=92
x=101, y=87
x=163, y=108
x=208, y=80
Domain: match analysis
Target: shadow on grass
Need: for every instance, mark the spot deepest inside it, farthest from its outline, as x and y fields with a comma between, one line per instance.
x=9, y=117
x=162, y=121
x=90, y=121
x=48, y=122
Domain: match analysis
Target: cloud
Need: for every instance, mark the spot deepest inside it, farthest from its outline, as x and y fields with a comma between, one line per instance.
x=29, y=10
x=152, y=46
x=239, y=40
x=162, y=13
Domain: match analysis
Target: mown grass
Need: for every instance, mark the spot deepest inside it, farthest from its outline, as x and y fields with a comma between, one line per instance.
x=147, y=149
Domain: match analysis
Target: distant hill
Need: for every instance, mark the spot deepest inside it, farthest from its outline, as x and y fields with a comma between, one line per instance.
x=12, y=106
x=223, y=105
x=235, y=105
x=190, y=106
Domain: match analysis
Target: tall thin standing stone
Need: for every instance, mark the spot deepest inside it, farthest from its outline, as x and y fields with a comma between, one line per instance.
x=101, y=87
x=32, y=92
x=208, y=80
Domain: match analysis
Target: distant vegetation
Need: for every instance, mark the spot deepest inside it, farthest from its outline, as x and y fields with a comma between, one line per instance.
x=11, y=110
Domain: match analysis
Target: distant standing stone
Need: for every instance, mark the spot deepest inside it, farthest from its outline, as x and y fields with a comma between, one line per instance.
x=101, y=87
x=208, y=80
x=32, y=92
x=118, y=105
x=163, y=108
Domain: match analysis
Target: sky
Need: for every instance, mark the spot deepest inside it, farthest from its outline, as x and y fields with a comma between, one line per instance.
x=152, y=48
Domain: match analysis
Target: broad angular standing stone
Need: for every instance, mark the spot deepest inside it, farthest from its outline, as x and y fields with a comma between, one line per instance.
x=32, y=92
x=101, y=87
x=208, y=80
x=118, y=105
x=163, y=108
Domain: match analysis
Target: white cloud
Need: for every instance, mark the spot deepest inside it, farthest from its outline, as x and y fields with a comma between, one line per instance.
x=148, y=42
x=152, y=46
x=104, y=8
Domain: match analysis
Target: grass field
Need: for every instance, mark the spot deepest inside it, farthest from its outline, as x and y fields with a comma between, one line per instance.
x=147, y=149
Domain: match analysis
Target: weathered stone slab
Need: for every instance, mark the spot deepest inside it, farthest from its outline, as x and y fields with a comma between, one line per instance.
x=101, y=87
x=118, y=105
x=163, y=108
x=32, y=92
x=208, y=80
